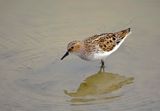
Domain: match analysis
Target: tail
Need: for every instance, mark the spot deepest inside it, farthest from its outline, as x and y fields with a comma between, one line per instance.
x=122, y=34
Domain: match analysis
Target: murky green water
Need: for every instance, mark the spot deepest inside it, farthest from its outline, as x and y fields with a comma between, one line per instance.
x=34, y=35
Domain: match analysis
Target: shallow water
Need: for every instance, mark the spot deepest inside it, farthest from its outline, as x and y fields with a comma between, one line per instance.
x=33, y=38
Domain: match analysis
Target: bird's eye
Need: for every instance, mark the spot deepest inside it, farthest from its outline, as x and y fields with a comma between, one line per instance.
x=71, y=47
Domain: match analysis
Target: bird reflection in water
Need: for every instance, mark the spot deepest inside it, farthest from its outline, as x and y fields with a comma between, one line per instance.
x=99, y=84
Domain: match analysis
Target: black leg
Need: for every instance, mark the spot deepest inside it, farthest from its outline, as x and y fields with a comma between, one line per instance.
x=102, y=66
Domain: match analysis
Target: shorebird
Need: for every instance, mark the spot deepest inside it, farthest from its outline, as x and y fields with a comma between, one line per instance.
x=97, y=47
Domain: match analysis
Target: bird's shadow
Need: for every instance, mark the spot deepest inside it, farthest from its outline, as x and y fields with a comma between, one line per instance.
x=99, y=84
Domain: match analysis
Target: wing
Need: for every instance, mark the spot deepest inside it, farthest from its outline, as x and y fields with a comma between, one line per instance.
x=105, y=41
x=102, y=42
x=108, y=41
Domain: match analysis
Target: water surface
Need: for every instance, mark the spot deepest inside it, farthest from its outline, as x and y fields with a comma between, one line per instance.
x=33, y=38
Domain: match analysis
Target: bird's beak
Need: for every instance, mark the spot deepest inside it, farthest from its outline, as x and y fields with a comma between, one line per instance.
x=66, y=54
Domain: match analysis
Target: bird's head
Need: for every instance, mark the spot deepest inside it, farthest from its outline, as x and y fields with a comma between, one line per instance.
x=73, y=47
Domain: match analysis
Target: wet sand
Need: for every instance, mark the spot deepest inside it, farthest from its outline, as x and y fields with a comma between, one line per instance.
x=33, y=38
